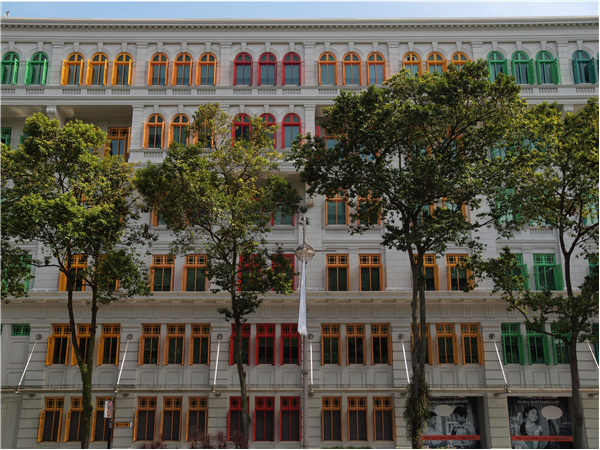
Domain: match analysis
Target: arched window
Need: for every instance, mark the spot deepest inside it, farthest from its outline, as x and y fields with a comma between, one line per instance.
x=522, y=68
x=270, y=121
x=412, y=62
x=178, y=129
x=153, y=135
x=583, y=68
x=10, y=68
x=36, y=71
x=157, y=75
x=327, y=72
x=182, y=70
x=122, y=68
x=497, y=65
x=351, y=69
x=436, y=63
x=72, y=70
x=242, y=70
x=459, y=59
x=291, y=129
x=548, y=71
x=207, y=68
x=97, y=70
x=266, y=70
x=375, y=68
x=241, y=127
x=291, y=70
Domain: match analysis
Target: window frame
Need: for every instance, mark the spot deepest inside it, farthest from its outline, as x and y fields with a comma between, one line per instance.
x=241, y=122
x=328, y=62
x=199, y=331
x=469, y=331
x=370, y=262
x=458, y=61
x=241, y=61
x=13, y=73
x=383, y=405
x=148, y=405
x=531, y=333
x=155, y=121
x=289, y=122
x=97, y=70
x=352, y=63
x=175, y=331
x=7, y=136
x=235, y=405
x=59, y=331
x=529, y=68
x=290, y=331
x=173, y=405
x=99, y=413
x=72, y=61
x=42, y=70
x=265, y=331
x=509, y=331
x=84, y=331
x=554, y=69
x=270, y=121
x=333, y=405
x=206, y=60
x=149, y=331
x=157, y=61
x=109, y=331
x=356, y=331
x=429, y=355
x=198, y=405
x=291, y=64
x=582, y=66
x=290, y=405
x=430, y=262
x=182, y=64
x=245, y=334
x=381, y=331
x=122, y=70
x=560, y=348
x=77, y=407
x=265, y=405
x=341, y=196
x=493, y=63
x=373, y=64
x=51, y=405
x=337, y=262
x=266, y=63
x=452, y=262
x=194, y=262
x=331, y=331
x=358, y=405
x=162, y=262
x=412, y=60
x=446, y=331
x=180, y=121
x=438, y=60
x=547, y=260
x=76, y=262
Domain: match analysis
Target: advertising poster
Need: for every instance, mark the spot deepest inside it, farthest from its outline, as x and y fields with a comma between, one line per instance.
x=540, y=422
x=453, y=423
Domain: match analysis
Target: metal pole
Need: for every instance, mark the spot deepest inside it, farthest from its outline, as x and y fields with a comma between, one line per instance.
x=304, y=393
x=111, y=421
x=405, y=363
x=37, y=338
x=591, y=351
x=492, y=336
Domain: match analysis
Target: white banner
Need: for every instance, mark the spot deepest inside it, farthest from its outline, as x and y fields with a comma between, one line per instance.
x=302, y=310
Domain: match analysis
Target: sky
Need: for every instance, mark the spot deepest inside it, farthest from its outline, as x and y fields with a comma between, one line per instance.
x=226, y=9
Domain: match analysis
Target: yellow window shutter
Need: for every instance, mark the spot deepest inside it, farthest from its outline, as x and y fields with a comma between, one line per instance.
x=62, y=284
x=59, y=426
x=118, y=350
x=436, y=278
x=167, y=74
x=166, y=361
x=105, y=71
x=187, y=425
x=198, y=70
x=81, y=70
x=128, y=139
x=89, y=73
x=145, y=138
x=480, y=349
x=130, y=70
x=141, y=352
x=455, y=348
x=41, y=426
x=174, y=80
x=93, y=432
x=68, y=426
x=149, y=77
x=170, y=125
x=135, y=425
x=162, y=421
x=113, y=78
x=50, y=351
x=64, y=77
x=100, y=349
x=191, y=350
x=162, y=136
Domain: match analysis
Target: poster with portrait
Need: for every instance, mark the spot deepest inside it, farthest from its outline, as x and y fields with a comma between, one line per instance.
x=540, y=422
x=453, y=423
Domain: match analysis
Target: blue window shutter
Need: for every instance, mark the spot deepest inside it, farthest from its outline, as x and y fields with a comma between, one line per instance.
x=591, y=71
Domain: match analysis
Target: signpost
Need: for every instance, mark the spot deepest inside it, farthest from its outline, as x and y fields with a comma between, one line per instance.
x=109, y=407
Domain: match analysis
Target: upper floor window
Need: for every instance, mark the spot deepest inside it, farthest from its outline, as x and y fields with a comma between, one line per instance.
x=459, y=59
x=182, y=70
x=242, y=70
x=291, y=70
x=351, y=69
x=153, y=135
x=458, y=276
x=161, y=273
x=266, y=70
x=6, y=137
x=547, y=68
x=36, y=71
x=119, y=139
x=436, y=63
x=207, y=67
x=72, y=70
x=327, y=72
x=241, y=127
x=548, y=274
x=497, y=65
x=178, y=131
x=270, y=121
x=412, y=62
x=375, y=68
x=522, y=68
x=10, y=68
x=291, y=129
x=122, y=69
x=76, y=268
x=157, y=75
x=97, y=70
x=583, y=68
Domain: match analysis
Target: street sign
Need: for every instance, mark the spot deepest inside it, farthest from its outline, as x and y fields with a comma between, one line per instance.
x=122, y=424
x=108, y=410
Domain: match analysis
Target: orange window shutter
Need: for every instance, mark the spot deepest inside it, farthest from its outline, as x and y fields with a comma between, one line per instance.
x=81, y=71
x=130, y=71
x=145, y=138
x=135, y=425
x=166, y=73
x=50, y=351
x=118, y=350
x=113, y=80
x=154, y=218
x=198, y=73
x=65, y=73
x=105, y=71
x=59, y=426
x=150, y=74
x=166, y=361
x=89, y=72
x=455, y=348
x=100, y=349
x=93, y=433
x=62, y=284
x=41, y=426
x=480, y=349
x=141, y=353
x=170, y=137
x=436, y=277
x=68, y=426
x=173, y=80
x=162, y=136
x=191, y=352
x=187, y=425
x=162, y=421
x=469, y=280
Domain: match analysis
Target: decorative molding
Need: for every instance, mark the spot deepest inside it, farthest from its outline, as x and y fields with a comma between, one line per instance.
x=184, y=47
x=266, y=106
x=458, y=46
x=40, y=46
x=267, y=47
x=375, y=47
x=495, y=46
x=242, y=108
x=410, y=46
x=579, y=44
x=160, y=47
x=351, y=46
x=519, y=45
x=207, y=44
x=100, y=45
x=292, y=46
x=243, y=47
x=75, y=47
x=123, y=47
x=327, y=44
x=434, y=46
x=180, y=109
x=543, y=45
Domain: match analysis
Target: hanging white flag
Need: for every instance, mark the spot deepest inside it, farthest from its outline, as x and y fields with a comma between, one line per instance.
x=302, y=310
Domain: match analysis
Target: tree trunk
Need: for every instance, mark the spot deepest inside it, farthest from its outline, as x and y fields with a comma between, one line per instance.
x=242, y=375
x=577, y=412
x=87, y=369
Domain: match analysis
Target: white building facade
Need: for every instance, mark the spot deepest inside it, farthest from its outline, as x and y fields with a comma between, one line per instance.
x=140, y=81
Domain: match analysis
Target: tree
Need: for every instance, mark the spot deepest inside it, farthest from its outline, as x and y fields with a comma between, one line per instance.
x=552, y=180
x=414, y=154
x=78, y=206
x=218, y=196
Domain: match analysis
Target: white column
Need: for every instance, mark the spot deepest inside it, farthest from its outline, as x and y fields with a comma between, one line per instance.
x=226, y=69
x=309, y=65
x=141, y=66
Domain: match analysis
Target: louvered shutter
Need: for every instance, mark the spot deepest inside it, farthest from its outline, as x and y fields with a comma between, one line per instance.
x=327, y=425
x=521, y=349
x=145, y=137
x=41, y=426
x=60, y=414
x=491, y=77
x=531, y=71
x=558, y=277
x=68, y=428
x=165, y=433
x=141, y=352
x=187, y=425
x=113, y=78
x=50, y=351
x=284, y=426
x=162, y=137
x=64, y=78
x=27, y=80
x=129, y=74
x=170, y=135
x=576, y=79
x=546, y=350
x=455, y=349
x=150, y=66
x=94, y=430
x=591, y=71
x=191, y=345
x=89, y=73
x=336, y=422
x=174, y=74
x=555, y=69
x=135, y=425
x=480, y=350
x=100, y=350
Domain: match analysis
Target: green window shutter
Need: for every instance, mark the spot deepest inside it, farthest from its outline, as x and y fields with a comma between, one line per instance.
x=529, y=349
x=546, y=350
x=575, y=72
x=558, y=278
x=537, y=278
x=521, y=346
x=45, y=73
x=526, y=275
x=15, y=72
x=555, y=72
x=505, y=67
x=504, y=339
x=512, y=67
x=554, y=351
x=531, y=71
x=592, y=71
x=492, y=77
x=27, y=80
x=538, y=72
